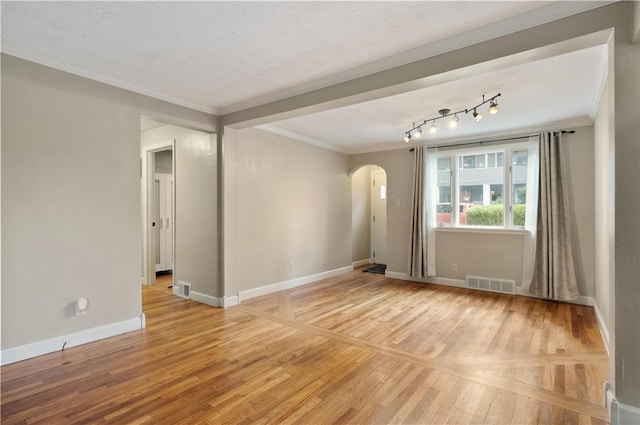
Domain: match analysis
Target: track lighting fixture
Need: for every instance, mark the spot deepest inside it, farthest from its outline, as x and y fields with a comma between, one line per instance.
x=416, y=130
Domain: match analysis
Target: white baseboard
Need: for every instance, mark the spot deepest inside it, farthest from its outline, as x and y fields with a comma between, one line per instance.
x=621, y=414
x=205, y=299
x=445, y=281
x=288, y=284
x=213, y=301
x=230, y=301
x=604, y=331
x=581, y=300
x=396, y=275
x=361, y=263
x=34, y=349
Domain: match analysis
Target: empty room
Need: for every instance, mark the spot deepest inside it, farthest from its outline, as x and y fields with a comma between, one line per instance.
x=320, y=212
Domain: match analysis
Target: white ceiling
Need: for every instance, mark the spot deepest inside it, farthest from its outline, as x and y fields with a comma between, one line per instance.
x=221, y=57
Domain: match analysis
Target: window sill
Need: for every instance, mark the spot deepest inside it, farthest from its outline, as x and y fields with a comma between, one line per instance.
x=479, y=229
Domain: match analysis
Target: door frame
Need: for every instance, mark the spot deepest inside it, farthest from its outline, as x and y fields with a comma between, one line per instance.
x=148, y=237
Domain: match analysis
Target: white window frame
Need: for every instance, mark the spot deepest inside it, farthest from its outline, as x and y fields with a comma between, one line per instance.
x=507, y=184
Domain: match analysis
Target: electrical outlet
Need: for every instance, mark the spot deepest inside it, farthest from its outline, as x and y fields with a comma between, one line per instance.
x=454, y=267
x=292, y=266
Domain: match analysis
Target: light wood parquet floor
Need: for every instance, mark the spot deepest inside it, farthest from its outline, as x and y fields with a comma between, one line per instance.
x=355, y=349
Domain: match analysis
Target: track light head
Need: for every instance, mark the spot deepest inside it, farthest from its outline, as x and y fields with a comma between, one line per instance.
x=493, y=108
x=407, y=137
x=433, y=128
x=454, y=121
x=418, y=133
x=477, y=115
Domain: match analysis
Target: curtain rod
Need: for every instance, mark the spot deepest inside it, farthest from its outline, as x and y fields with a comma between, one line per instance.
x=481, y=142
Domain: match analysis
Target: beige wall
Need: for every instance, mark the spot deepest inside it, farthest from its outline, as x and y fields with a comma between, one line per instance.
x=479, y=254
x=71, y=200
x=361, y=214
x=285, y=201
x=71, y=204
x=196, y=245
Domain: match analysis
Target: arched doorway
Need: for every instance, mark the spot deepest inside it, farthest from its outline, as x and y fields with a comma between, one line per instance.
x=369, y=215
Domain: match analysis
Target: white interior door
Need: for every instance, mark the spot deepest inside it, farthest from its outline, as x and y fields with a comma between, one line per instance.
x=379, y=217
x=162, y=216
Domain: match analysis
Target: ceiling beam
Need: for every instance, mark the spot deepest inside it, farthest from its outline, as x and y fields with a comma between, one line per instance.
x=572, y=33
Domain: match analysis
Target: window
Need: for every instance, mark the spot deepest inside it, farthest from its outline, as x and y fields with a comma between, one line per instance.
x=482, y=187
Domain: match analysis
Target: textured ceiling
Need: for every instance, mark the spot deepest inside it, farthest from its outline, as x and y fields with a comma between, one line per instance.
x=222, y=57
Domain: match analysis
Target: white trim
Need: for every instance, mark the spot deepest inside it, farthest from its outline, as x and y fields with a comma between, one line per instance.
x=134, y=88
x=230, y=301
x=288, y=284
x=481, y=229
x=622, y=414
x=608, y=396
x=34, y=349
x=444, y=281
x=599, y=87
x=396, y=275
x=205, y=299
x=361, y=263
x=299, y=137
x=435, y=280
x=604, y=331
x=582, y=299
x=219, y=302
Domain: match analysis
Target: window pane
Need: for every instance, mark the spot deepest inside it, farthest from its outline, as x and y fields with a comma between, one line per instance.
x=467, y=161
x=482, y=190
x=497, y=196
x=471, y=194
x=520, y=158
x=443, y=207
x=519, y=186
x=444, y=164
x=495, y=160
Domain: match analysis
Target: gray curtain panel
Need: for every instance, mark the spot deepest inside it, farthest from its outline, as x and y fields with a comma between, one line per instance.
x=554, y=274
x=417, y=264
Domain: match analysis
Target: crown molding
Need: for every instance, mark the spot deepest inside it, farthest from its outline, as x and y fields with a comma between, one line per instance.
x=70, y=69
x=299, y=137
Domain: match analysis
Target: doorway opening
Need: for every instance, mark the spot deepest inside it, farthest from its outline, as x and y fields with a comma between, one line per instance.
x=369, y=216
x=162, y=215
x=158, y=212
